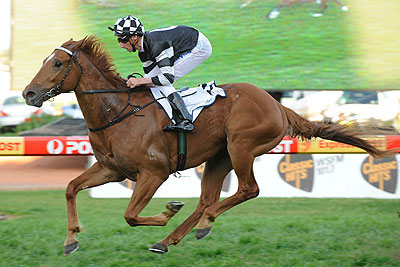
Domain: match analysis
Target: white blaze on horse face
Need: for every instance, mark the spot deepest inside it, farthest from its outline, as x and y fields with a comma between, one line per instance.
x=49, y=58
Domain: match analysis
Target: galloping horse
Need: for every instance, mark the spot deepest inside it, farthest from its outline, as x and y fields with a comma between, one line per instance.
x=290, y=3
x=228, y=135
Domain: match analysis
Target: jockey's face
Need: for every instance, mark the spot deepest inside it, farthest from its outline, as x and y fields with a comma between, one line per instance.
x=134, y=40
x=127, y=46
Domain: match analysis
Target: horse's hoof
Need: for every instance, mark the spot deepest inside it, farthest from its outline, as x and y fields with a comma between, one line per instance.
x=175, y=205
x=159, y=248
x=71, y=248
x=201, y=233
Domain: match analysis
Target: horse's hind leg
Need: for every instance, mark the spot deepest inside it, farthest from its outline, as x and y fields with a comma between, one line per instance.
x=242, y=150
x=94, y=176
x=248, y=188
x=214, y=174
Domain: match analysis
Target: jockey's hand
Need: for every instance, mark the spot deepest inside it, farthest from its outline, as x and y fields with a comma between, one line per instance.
x=134, y=82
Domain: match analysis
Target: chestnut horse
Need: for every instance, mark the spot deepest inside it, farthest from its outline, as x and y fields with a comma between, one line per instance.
x=228, y=135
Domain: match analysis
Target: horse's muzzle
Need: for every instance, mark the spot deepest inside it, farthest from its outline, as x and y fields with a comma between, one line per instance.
x=32, y=98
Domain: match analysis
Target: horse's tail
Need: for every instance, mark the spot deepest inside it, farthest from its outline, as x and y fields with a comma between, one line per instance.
x=305, y=129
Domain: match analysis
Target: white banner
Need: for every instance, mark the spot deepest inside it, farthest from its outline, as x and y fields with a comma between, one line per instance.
x=290, y=175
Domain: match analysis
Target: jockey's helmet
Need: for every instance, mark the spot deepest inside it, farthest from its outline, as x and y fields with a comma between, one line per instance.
x=127, y=26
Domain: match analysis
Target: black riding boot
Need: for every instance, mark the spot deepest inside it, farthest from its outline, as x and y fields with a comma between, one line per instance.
x=182, y=117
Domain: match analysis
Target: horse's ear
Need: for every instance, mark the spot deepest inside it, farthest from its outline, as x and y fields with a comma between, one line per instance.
x=67, y=43
x=78, y=44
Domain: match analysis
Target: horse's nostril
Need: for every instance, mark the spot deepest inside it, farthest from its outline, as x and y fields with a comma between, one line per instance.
x=31, y=95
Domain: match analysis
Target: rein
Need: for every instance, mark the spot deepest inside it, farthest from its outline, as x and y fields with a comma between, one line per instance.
x=113, y=90
x=118, y=118
x=120, y=90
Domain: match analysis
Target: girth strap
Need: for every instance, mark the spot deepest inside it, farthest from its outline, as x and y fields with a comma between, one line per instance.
x=182, y=150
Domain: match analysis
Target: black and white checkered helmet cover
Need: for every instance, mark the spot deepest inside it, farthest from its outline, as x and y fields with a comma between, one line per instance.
x=128, y=25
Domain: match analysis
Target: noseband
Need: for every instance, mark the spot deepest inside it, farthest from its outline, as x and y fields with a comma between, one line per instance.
x=57, y=90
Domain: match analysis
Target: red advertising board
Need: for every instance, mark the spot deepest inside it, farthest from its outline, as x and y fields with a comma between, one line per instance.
x=80, y=145
x=286, y=146
x=58, y=145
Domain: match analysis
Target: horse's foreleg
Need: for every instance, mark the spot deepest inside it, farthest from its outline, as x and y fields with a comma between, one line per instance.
x=145, y=187
x=94, y=176
x=214, y=174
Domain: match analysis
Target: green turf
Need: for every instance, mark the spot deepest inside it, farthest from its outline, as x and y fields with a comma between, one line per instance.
x=295, y=51
x=260, y=232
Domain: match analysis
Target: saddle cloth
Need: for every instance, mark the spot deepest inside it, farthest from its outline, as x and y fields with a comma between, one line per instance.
x=195, y=98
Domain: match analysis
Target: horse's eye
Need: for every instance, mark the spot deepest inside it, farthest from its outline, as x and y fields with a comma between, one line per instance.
x=57, y=64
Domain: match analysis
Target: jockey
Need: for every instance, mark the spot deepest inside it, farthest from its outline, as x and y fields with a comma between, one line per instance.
x=167, y=54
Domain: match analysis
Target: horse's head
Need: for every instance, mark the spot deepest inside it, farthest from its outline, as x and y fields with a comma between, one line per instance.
x=59, y=73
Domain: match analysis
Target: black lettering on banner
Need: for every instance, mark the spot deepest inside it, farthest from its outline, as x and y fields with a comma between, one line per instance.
x=328, y=164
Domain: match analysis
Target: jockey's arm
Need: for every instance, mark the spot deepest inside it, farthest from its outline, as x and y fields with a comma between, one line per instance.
x=166, y=76
x=164, y=52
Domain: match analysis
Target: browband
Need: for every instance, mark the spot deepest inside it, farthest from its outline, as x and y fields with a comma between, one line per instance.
x=65, y=50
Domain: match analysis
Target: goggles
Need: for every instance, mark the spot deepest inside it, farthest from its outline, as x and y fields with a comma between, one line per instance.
x=124, y=39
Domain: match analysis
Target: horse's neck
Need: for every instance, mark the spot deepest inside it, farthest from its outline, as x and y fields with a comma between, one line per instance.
x=98, y=109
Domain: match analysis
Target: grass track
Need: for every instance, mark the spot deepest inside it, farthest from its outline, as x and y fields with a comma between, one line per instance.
x=260, y=232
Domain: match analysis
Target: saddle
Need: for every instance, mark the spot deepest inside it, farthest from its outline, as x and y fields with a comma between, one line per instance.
x=195, y=98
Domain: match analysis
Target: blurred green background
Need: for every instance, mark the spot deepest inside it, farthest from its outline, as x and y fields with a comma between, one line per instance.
x=357, y=49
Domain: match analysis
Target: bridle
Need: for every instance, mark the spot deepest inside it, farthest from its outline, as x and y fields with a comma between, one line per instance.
x=119, y=117
x=57, y=90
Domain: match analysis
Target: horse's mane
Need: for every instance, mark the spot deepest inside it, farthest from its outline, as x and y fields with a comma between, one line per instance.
x=93, y=48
